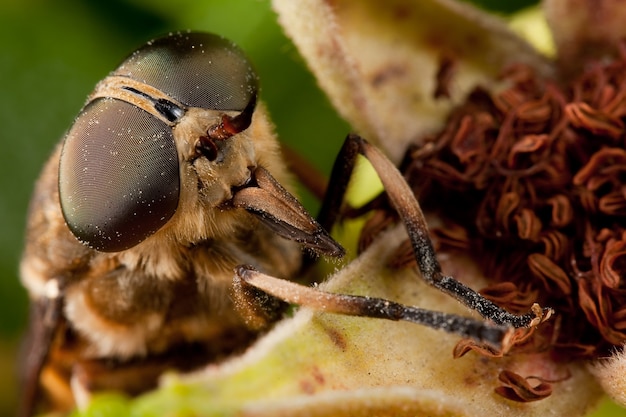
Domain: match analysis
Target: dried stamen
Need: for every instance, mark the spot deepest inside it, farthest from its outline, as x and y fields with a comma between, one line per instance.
x=534, y=177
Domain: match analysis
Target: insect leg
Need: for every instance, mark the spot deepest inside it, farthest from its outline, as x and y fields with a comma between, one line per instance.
x=402, y=199
x=404, y=202
x=352, y=305
x=257, y=307
x=46, y=314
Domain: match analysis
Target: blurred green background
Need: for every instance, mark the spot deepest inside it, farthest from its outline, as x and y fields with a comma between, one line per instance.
x=54, y=52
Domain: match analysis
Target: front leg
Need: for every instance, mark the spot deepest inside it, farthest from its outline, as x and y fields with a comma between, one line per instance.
x=404, y=202
x=248, y=279
x=257, y=307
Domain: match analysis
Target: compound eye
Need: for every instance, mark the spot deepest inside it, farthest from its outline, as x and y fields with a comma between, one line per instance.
x=197, y=69
x=118, y=175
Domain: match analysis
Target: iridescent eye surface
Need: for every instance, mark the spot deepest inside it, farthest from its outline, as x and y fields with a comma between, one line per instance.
x=118, y=177
x=119, y=168
x=197, y=69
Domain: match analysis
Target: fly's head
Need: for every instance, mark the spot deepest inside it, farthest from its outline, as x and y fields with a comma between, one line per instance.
x=170, y=177
x=163, y=144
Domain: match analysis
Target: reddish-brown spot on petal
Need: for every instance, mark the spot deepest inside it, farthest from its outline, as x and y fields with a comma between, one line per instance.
x=387, y=74
x=445, y=73
x=336, y=338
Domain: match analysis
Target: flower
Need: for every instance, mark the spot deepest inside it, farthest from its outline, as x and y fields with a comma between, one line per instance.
x=527, y=175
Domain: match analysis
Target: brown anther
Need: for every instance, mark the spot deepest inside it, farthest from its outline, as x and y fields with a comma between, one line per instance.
x=510, y=296
x=377, y=223
x=518, y=388
x=534, y=176
x=549, y=273
x=562, y=211
x=528, y=224
x=583, y=116
x=555, y=244
x=464, y=346
x=527, y=145
x=533, y=113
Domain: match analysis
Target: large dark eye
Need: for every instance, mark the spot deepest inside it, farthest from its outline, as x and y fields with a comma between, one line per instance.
x=197, y=69
x=118, y=175
x=119, y=171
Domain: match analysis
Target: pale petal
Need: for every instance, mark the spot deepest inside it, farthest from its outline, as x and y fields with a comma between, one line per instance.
x=585, y=29
x=378, y=61
x=323, y=364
